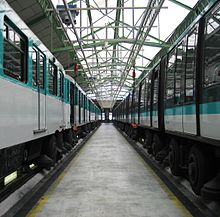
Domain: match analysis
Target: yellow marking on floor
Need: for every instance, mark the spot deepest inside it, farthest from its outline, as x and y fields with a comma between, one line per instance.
x=54, y=185
x=176, y=202
x=38, y=206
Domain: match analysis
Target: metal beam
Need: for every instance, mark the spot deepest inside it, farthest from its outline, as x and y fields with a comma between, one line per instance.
x=108, y=8
x=92, y=32
x=181, y=4
x=37, y=20
x=101, y=43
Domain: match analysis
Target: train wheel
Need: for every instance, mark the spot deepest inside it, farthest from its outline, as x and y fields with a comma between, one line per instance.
x=157, y=145
x=197, y=169
x=50, y=148
x=174, y=158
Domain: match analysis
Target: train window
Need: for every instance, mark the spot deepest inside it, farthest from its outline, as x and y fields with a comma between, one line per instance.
x=34, y=67
x=15, y=53
x=180, y=64
x=38, y=61
x=148, y=93
x=41, y=70
x=76, y=95
x=211, y=80
x=156, y=87
x=189, y=84
x=170, y=74
x=67, y=90
x=135, y=100
x=142, y=96
x=60, y=84
x=52, y=78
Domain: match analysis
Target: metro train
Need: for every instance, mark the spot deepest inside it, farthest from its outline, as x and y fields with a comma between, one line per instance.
x=43, y=111
x=175, y=109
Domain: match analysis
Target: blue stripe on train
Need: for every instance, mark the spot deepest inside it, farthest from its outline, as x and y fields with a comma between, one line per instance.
x=206, y=108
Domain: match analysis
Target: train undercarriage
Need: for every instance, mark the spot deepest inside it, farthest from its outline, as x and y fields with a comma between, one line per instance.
x=195, y=160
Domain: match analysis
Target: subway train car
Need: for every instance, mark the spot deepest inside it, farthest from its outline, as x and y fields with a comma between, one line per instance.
x=42, y=110
x=175, y=110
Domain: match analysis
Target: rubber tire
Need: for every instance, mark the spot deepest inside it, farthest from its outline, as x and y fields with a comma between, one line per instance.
x=156, y=145
x=198, y=169
x=148, y=140
x=174, y=158
x=60, y=142
x=134, y=133
x=50, y=148
x=68, y=137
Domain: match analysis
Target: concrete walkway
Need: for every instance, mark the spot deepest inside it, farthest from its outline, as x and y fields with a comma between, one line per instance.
x=108, y=179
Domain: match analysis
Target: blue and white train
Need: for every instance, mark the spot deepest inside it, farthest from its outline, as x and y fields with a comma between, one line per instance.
x=175, y=109
x=42, y=110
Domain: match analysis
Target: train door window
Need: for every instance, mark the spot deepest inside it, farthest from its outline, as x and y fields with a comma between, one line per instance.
x=52, y=78
x=170, y=74
x=127, y=106
x=142, y=96
x=179, y=72
x=38, y=61
x=41, y=70
x=67, y=91
x=148, y=92
x=211, y=79
x=155, y=88
x=190, y=67
x=76, y=95
x=15, y=52
x=34, y=67
x=60, y=84
x=135, y=99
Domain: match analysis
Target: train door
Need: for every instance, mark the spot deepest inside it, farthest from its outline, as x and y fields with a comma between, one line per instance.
x=189, y=99
x=173, y=115
x=38, y=70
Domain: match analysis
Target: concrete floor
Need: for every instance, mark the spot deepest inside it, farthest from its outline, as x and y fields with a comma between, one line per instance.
x=108, y=179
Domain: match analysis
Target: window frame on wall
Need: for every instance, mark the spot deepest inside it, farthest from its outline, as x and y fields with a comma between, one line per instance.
x=13, y=38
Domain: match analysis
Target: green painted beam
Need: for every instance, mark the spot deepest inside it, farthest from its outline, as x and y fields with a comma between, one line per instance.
x=181, y=4
x=110, y=41
x=36, y=20
x=138, y=54
x=116, y=30
x=92, y=32
x=99, y=29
